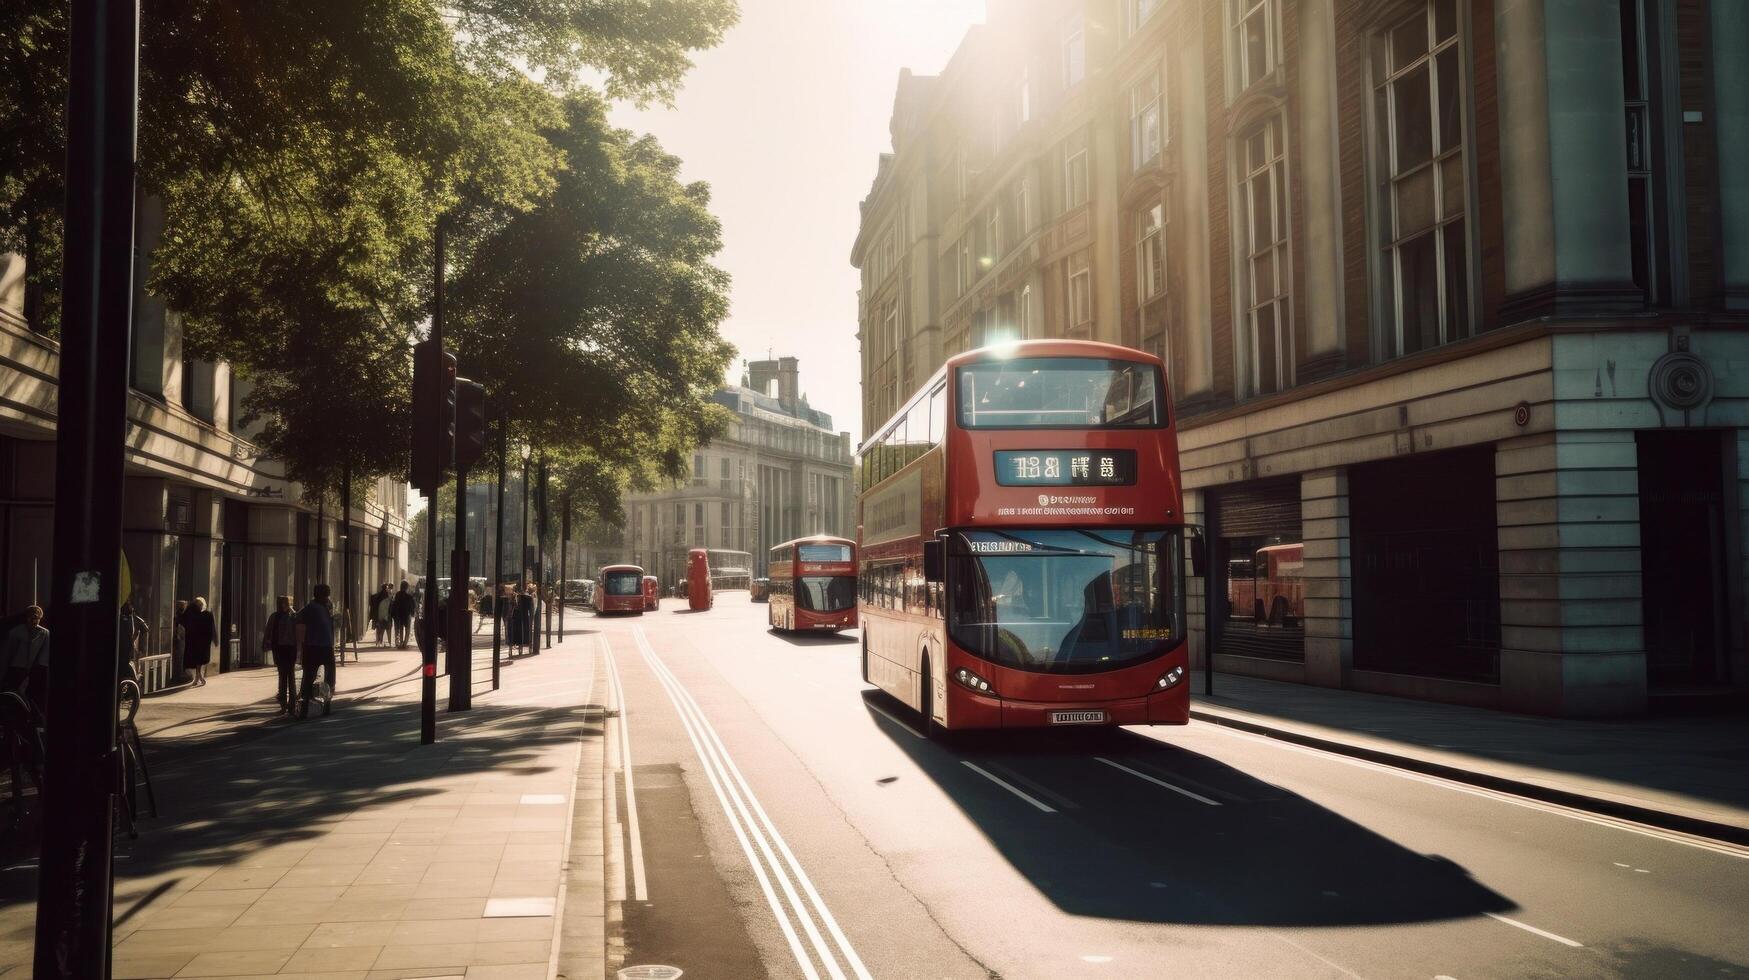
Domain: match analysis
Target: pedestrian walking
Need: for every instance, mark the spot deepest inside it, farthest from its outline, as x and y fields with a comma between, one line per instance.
x=402, y=611
x=382, y=612
x=315, y=640
x=522, y=620
x=200, y=634
x=280, y=639
x=25, y=655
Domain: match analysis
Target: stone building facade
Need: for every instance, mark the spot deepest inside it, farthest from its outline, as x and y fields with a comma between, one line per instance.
x=780, y=472
x=203, y=513
x=1454, y=296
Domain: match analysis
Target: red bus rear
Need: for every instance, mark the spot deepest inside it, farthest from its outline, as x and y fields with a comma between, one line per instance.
x=813, y=585
x=698, y=579
x=619, y=589
x=1022, y=543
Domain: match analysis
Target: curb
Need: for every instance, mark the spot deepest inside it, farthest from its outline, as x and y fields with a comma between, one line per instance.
x=1662, y=819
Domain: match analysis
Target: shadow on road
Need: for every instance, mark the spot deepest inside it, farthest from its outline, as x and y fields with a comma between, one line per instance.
x=1119, y=847
x=813, y=639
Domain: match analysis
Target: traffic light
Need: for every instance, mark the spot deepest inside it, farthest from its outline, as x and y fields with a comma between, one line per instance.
x=433, y=416
x=470, y=422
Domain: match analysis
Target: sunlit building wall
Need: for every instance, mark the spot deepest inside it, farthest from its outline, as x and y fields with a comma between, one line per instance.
x=1452, y=295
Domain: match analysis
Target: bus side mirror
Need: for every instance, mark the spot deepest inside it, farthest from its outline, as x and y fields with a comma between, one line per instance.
x=932, y=561
x=1199, y=557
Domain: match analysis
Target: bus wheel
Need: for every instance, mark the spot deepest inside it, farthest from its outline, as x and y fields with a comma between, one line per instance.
x=1278, y=612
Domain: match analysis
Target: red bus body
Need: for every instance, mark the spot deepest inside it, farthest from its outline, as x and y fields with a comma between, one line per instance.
x=619, y=589
x=698, y=579
x=813, y=585
x=941, y=485
x=652, y=593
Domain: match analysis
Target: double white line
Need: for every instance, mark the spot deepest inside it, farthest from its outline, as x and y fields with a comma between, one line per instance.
x=767, y=853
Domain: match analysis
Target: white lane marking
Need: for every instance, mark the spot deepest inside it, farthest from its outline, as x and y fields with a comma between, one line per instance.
x=1563, y=940
x=1157, y=782
x=1556, y=809
x=733, y=814
x=742, y=791
x=640, y=883
x=1005, y=784
x=895, y=719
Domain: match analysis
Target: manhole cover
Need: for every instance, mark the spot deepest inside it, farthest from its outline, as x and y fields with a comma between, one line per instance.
x=651, y=973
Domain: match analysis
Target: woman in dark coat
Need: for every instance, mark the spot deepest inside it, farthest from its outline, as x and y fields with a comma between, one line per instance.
x=522, y=620
x=201, y=632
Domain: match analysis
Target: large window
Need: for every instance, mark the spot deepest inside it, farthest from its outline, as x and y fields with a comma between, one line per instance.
x=1421, y=176
x=1137, y=12
x=826, y=593
x=1254, y=30
x=1064, y=601
x=1643, y=100
x=1058, y=392
x=1150, y=253
x=1260, y=218
x=1075, y=186
x=1080, y=290
x=1074, y=51
x=1145, y=121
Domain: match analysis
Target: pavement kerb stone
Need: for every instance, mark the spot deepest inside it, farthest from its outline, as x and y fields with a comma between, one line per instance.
x=1591, y=803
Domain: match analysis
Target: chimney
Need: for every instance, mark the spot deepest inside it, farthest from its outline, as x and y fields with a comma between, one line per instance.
x=788, y=382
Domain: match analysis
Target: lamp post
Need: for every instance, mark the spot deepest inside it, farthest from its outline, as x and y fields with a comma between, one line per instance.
x=497, y=582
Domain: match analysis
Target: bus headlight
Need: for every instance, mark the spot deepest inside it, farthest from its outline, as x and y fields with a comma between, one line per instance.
x=1170, y=678
x=972, y=681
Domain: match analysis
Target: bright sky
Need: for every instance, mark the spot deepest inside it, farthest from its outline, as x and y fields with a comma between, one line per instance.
x=786, y=120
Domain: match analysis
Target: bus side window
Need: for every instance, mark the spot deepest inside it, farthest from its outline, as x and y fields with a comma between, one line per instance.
x=938, y=415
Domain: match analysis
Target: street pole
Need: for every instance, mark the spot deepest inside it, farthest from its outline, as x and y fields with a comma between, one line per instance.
x=540, y=564
x=346, y=561
x=1214, y=598
x=76, y=869
x=498, y=560
x=564, y=554
x=428, y=646
x=460, y=645
x=522, y=534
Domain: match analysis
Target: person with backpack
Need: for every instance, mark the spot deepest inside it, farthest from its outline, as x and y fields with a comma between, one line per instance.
x=280, y=639
x=315, y=640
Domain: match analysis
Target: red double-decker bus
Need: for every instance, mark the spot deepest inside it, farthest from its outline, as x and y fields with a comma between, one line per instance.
x=813, y=585
x=620, y=588
x=1022, y=543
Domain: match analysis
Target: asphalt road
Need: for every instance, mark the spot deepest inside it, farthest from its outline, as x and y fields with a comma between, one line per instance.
x=792, y=823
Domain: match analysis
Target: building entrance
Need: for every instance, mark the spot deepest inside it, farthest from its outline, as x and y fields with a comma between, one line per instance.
x=1683, y=540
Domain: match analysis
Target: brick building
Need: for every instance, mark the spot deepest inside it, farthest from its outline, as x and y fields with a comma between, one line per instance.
x=1452, y=294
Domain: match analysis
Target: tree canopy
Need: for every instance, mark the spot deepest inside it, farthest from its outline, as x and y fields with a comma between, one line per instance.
x=303, y=153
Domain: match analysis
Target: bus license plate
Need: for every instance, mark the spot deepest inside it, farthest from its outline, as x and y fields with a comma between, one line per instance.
x=1077, y=717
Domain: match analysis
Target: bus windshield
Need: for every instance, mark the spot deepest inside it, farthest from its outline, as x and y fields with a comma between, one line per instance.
x=822, y=552
x=1066, y=601
x=1059, y=392
x=624, y=583
x=826, y=593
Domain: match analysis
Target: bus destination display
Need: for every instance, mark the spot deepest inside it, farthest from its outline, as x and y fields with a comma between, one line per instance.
x=1066, y=468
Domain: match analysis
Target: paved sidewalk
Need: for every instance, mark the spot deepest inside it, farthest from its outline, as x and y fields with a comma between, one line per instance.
x=340, y=847
x=1689, y=774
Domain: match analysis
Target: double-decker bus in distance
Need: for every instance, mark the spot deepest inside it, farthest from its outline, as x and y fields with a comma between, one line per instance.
x=619, y=588
x=813, y=585
x=730, y=569
x=1022, y=543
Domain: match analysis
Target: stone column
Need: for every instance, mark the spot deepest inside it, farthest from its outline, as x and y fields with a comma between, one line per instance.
x=1569, y=536
x=1190, y=133
x=1320, y=186
x=1562, y=158
x=1730, y=30
x=1195, y=587
x=1328, y=577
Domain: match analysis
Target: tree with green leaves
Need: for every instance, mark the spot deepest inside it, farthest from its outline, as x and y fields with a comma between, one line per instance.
x=592, y=317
